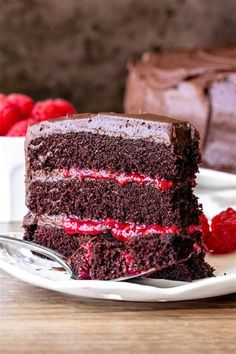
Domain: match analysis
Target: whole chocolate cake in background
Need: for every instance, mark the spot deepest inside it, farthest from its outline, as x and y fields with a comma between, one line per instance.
x=197, y=85
x=114, y=194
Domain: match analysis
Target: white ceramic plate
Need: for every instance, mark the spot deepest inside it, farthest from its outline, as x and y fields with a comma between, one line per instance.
x=216, y=191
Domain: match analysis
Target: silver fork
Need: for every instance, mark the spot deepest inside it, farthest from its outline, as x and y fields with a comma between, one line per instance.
x=57, y=257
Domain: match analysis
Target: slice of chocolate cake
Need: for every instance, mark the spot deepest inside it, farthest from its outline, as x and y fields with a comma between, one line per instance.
x=112, y=192
x=198, y=85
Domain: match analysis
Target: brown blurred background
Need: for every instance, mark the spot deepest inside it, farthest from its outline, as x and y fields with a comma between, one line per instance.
x=78, y=49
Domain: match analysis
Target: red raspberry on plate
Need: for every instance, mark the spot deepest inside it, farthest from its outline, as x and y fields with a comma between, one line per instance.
x=20, y=128
x=52, y=108
x=222, y=238
x=24, y=103
x=9, y=114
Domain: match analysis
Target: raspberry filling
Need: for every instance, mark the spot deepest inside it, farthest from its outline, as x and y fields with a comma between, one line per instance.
x=129, y=265
x=86, y=261
x=121, y=231
x=120, y=178
x=194, y=228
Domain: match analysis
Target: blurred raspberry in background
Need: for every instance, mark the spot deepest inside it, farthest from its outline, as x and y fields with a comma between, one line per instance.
x=18, y=111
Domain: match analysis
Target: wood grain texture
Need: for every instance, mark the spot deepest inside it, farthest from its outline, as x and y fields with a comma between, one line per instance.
x=34, y=320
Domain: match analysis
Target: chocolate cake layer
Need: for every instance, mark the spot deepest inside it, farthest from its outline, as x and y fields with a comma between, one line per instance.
x=168, y=148
x=95, y=200
x=193, y=269
x=53, y=238
x=106, y=260
x=197, y=85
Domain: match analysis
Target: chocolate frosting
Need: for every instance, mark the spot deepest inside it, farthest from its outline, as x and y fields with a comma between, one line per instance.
x=167, y=69
x=131, y=126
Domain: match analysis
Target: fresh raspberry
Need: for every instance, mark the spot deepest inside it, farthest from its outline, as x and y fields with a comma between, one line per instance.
x=222, y=238
x=52, y=108
x=9, y=114
x=24, y=103
x=20, y=128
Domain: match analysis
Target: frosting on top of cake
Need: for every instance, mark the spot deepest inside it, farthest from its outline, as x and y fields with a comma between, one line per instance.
x=131, y=126
x=168, y=68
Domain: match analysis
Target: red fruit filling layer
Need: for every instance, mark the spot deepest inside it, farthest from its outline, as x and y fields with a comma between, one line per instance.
x=86, y=262
x=121, y=231
x=121, y=178
x=129, y=265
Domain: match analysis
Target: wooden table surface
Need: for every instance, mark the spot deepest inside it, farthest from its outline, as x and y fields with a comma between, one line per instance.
x=34, y=320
